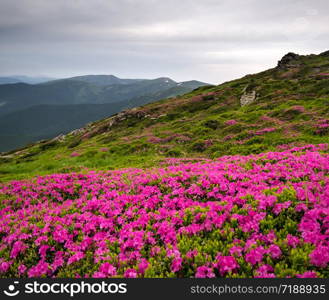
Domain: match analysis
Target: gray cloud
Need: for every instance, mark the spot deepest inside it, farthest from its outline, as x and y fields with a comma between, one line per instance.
x=209, y=40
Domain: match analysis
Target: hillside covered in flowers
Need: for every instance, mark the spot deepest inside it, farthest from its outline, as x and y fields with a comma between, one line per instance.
x=260, y=215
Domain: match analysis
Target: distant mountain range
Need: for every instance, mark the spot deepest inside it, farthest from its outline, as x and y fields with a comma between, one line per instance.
x=29, y=112
x=24, y=79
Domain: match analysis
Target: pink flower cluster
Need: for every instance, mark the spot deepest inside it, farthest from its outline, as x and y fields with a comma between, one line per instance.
x=225, y=217
x=75, y=154
x=230, y=122
x=322, y=127
x=264, y=130
x=298, y=108
x=180, y=138
x=324, y=123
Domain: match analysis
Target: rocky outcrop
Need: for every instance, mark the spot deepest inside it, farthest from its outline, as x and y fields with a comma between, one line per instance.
x=132, y=113
x=290, y=60
x=60, y=138
x=248, y=97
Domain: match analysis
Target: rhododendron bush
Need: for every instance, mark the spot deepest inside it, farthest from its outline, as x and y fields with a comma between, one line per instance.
x=264, y=215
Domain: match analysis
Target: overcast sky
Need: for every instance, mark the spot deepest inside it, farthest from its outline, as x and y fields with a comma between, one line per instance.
x=208, y=40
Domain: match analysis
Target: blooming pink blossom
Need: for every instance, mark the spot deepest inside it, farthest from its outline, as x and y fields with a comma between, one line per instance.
x=255, y=255
x=130, y=273
x=265, y=271
x=320, y=256
x=274, y=251
x=176, y=264
x=307, y=274
x=21, y=269
x=4, y=266
x=76, y=257
x=226, y=264
x=204, y=272
x=230, y=122
x=107, y=269
x=18, y=247
x=292, y=241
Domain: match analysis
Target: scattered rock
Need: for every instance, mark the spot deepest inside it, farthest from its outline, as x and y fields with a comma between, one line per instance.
x=59, y=138
x=248, y=97
x=77, y=131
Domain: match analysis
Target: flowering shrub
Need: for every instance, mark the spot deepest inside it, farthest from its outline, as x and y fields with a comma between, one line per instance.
x=230, y=122
x=263, y=215
x=298, y=108
x=264, y=130
x=322, y=127
x=323, y=74
x=228, y=137
x=178, y=137
x=74, y=154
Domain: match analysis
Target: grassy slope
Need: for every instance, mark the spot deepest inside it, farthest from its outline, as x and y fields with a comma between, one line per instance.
x=291, y=102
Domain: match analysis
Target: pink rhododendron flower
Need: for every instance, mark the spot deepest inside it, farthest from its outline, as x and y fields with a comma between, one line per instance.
x=142, y=266
x=176, y=264
x=4, y=266
x=75, y=154
x=18, y=247
x=130, y=273
x=265, y=271
x=226, y=264
x=99, y=275
x=21, y=269
x=292, y=241
x=230, y=122
x=43, y=251
x=274, y=251
x=192, y=253
x=41, y=239
x=204, y=272
x=264, y=130
x=307, y=274
x=42, y=268
x=76, y=257
x=236, y=250
x=255, y=255
x=107, y=269
x=320, y=256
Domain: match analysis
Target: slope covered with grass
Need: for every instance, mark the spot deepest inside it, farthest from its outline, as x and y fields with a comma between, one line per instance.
x=291, y=109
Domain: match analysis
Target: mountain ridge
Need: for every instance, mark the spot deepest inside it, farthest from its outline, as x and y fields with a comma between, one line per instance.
x=24, y=79
x=20, y=103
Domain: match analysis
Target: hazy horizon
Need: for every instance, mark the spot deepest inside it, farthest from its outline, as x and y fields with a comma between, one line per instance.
x=78, y=75
x=210, y=41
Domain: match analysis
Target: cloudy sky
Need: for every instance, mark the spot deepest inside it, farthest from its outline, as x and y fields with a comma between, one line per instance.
x=208, y=40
